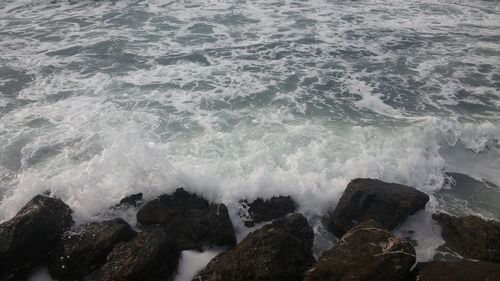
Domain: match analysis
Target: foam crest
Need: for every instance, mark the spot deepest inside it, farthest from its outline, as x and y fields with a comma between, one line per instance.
x=307, y=162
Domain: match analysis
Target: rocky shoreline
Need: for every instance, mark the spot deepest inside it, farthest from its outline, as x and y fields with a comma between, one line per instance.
x=39, y=235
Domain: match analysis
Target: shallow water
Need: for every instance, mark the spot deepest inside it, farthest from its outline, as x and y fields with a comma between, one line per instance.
x=240, y=99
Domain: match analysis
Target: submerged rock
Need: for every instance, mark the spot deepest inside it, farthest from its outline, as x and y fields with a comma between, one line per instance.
x=150, y=256
x=280, y=251
x=387, y=203
x=80, y=253
x=367, y=252
x=27, y=239
x=189, y=218
x=471, y=237
x=261, y=210
x=456, y=271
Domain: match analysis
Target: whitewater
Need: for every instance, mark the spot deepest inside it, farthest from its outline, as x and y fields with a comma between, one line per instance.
x=241, y=99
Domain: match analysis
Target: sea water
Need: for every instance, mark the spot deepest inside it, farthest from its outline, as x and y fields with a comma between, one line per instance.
x=244, y=99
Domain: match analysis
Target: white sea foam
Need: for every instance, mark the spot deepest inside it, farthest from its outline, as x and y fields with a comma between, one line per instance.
x=41, y=275
x=192, y=261
x=426, y=232
x=308, y=162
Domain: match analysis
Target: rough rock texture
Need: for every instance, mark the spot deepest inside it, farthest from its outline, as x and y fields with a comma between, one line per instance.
x=456, y=271
x=27, y=239
x=193, y=222
x=77, y=254
x=367, y=252
x=166, y=207
x=280, y=251
x=150, y=256
x=387, y=203
x=132, y=200
x=471, y=237
x=261, y=210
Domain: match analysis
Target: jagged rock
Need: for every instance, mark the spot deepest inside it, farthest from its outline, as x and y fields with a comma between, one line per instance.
x=168, y=206
x=133, y=200
x=367, y=252
x=280, y=251
x=456, y=271
x=261, y=210
x=189, y=218
x=387, y=203
x=77, y=254
x=28, y=237
x=471, y=237
x=150, y=256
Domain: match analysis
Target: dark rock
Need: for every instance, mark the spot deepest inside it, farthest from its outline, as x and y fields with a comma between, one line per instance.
x=78, y=254
x=261, y=210
x=133, y=200
x=26, y=239
x=166, y=207
x=280, y=251
x=203, y=228
x=193, y=222
x=457, y=271
x=150, y=256
x=471, y=237
x=367, y=252
x=387, y=203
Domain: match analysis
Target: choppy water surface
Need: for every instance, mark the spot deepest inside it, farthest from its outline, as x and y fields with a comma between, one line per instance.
x=236, y=99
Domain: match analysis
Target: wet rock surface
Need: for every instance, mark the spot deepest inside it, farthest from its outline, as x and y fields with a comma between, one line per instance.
x=280, y=251
x=261, y=210
x=367, y=252
x=27, y=239
x=387, y=203
x=456, y=271
x=77, y=254
x=471, y=236
x=149, y=256
x=168, y=206
x=133, y=200
x=190, y=219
